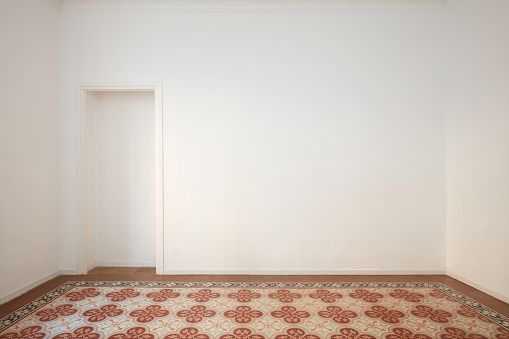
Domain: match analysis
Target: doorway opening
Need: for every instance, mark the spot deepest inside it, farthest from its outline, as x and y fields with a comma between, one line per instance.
x=120, y=176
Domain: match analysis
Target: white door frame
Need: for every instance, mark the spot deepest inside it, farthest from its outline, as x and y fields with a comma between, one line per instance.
x=83, y=88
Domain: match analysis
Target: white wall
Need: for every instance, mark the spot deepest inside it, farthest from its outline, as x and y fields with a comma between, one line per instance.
x=290, y=137
x=121, y=185
x=478, y=141
x=292, y=140
x=28, y=144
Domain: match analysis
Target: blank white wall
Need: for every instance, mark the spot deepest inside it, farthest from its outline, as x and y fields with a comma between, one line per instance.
x=120, y=217
x=28, y=144
x=478, y=139
x=293, y=141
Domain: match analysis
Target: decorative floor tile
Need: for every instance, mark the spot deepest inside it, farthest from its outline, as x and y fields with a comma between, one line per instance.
x=190, y=310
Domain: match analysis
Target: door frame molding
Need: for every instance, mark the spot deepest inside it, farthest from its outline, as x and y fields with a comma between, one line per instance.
x=82, y=227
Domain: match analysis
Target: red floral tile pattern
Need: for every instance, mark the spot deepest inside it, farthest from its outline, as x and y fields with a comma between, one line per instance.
x=244, y=296
x=163, y=295
x=337, y=314
x=386, y=315
x=203, y=295
x=351, y=333
x=196, y=314
x=123, y=294
x=468, y=312
x=85, y=293
x=504, y=333
x=456, y=333
x=32, y=332
x=290, y=314
x=84, y=332
x=95, y=315
x=285, y=296
x=408, y=296
x=149, y=313
x=187, y=333
x=133, y=333
x=370, y=297
x=326, y=296
x=53, y=313
x=243, y=314
x=159, y=310
x=438, y=316
x=297, y=333
x=405, y=333
x=242, y=333
x=441, y=295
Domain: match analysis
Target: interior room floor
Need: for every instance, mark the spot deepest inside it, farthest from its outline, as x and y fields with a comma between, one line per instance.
x=148, y=274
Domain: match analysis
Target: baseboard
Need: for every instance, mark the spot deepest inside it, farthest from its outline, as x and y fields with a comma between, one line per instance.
x=481, y=288
x=68, y=271
x=26, y=288
x=124, y=264
x=309, y=272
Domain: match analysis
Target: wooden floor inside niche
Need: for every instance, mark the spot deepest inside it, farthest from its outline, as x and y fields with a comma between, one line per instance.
x=148, y=274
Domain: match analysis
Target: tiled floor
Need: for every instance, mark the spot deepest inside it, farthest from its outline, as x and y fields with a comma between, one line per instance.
x=148, y=274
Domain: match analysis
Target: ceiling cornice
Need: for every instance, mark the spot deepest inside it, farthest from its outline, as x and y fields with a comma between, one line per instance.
x=417, y=6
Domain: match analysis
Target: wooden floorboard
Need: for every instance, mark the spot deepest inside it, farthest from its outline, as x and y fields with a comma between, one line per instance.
x=148, y=274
